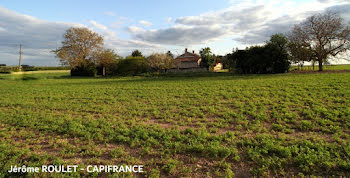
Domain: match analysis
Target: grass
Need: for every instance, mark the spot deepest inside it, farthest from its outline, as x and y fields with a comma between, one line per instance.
x=214, y=124
x=325, y=67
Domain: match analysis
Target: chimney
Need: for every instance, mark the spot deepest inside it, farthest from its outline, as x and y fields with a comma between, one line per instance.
x=193, y=51
x=185, y=50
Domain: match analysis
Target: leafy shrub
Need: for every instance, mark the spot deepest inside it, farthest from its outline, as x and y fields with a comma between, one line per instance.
x=7, y=70
x=88, y=69
x=132, y=66
x=52, y=68
x=270, y=58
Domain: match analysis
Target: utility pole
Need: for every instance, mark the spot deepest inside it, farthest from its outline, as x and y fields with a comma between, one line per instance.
x=20, y=57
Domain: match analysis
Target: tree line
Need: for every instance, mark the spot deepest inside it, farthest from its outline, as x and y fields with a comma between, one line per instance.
x=83, y=50
x=314, y=40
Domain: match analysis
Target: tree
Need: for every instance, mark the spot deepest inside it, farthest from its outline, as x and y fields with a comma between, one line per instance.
x=208, y=58
x=324, y=35
x=79, y=46
x=136, y=53
x=132, y=66
x=299, y=54
x=280, y=41
x=107, y=60
x=270, y=58
x=160, y=62
x=170, y=54
x=277, y=49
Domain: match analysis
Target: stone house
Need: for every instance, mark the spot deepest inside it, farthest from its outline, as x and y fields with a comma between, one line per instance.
x=188, y=62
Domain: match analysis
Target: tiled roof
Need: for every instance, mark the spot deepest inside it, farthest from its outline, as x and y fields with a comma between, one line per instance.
x=187, y=57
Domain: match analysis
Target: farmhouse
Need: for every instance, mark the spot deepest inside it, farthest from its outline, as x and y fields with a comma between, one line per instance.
x=188, y=62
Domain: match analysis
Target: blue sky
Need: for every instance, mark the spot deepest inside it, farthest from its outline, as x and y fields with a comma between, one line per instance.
x=78, y=10
x=150, y=26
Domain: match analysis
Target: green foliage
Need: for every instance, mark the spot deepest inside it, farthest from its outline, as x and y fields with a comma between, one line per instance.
x=107, y=60
x=161, y=62
x=9, y=69
x=270, y=58
x=86, y=69
x=208, y=58
x=132, y=66
x=136, y=53
x=170, y=54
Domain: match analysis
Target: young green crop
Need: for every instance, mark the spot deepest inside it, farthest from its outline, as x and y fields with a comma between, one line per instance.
x=180, y=125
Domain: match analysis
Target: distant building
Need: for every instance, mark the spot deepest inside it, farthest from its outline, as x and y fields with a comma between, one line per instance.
x=188, y=62
x=218, y=67
x=218, y=64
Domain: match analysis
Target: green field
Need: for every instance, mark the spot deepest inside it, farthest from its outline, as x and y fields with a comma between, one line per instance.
x=325, y=67
x=214, y=125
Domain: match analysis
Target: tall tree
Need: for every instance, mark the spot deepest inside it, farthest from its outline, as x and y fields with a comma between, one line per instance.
x=324, y=35
x=107, y=59
x=136, y=53
x=161, y=62
x=208, y=58
x=280, y=41
x=270, y=58
x=299, y=54
x=170, y=54
x=79, y=46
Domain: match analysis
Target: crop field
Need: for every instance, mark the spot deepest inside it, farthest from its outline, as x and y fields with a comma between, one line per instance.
x=213, y=125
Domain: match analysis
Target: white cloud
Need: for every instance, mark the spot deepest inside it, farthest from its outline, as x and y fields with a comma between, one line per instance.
x=40, y=37
x=145, y=23
x=169, y=20
x=248, y=22
x=97, y=25
x=135, y=29
x=34, y=34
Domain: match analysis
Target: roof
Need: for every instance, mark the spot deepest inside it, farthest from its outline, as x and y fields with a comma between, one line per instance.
x=189, y=57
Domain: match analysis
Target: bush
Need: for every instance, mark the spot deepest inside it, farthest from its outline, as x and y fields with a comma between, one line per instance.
x=260, y=60
x=52, y=68
x=111, y=69
x=161, y=62
x=6, y=70
x=270, y=58
x=88, y=69
x=9, y=69
x=132, y=66
x=107, y=60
